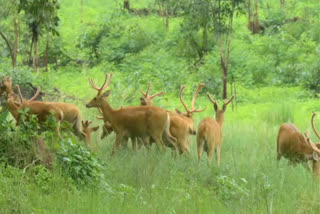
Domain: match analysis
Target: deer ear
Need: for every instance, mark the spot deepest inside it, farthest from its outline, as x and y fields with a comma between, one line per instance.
x=315, y=156
x=215, y=107
x=95, y=128
x=224, y=108
x=178, y=111
x=106, y=94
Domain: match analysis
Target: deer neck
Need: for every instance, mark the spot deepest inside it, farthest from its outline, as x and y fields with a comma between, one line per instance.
x=316, y=168
x=13, y=109
x=220, y=119
x=107, y=111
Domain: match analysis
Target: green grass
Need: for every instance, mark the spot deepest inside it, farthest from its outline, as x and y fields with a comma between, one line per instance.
x=248, y=179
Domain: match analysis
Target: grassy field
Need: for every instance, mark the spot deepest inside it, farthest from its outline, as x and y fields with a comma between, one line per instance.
x=247, y=181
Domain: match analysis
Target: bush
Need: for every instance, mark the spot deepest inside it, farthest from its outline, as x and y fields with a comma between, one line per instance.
x=79, y=163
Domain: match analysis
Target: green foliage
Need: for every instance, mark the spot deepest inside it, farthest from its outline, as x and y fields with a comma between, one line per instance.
x=40, y=15
x=79, y=163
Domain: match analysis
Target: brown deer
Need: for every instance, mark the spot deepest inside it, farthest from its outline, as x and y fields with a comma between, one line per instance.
x=88, y=130
x=293, y=146
x=182, y=124
x=140, y=121
x=146, y=100
x=40, y=109
x=209, y=136
x=71, y=113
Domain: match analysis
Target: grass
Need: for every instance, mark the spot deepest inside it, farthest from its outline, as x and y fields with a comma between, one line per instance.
x=248, y=179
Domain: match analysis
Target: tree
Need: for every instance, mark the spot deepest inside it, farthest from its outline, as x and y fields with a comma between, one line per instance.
x=41, y=16
x=10, y=9
x=223, y=22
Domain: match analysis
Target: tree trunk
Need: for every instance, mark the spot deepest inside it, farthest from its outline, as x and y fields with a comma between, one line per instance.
x=35, y=55
x=282, y=3
x=8, y=46
x=126, y=5
x=47, y=52
x=256, y=27
x=205, y=38
x=81, y=20
x=224, y=76
x=15, y=44
x=167, y=17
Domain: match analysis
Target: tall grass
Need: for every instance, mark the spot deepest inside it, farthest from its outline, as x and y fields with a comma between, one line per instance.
x=247, y=181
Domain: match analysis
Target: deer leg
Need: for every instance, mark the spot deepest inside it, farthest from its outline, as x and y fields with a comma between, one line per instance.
x=134, y=143
x=58, y=129
x=218, y=154
x=119, y=138
x=210, y=153
x=199, y=150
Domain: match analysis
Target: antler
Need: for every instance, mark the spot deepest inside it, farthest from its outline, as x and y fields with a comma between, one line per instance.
x=86, y=124
x=146, y=95
x=104, y=85
x=313, y=126
x=196, y=94
x=181, y=99
x=212, y=100
x=310, y=143
x=100, y=117
x=227, y=102
x=193, y=100
x=147, y=92
x=31, y=99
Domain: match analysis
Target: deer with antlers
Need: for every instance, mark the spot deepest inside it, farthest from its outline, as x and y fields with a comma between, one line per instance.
x=40, y=109
x=140, y=121
x=292, y=145
x=71, y=113
x=209, y=136
x=88, y=130
x=182, y=124
x=146, y=100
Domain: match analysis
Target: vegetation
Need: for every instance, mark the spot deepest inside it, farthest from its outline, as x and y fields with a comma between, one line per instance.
x=273, y=70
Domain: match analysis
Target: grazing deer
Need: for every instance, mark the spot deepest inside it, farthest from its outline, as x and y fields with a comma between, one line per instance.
x=140, y=121
x=106, y=128
x=293, y=146
x=88, y=130
x=209, y=134
x=182, y=124
x=71, y=113
x=40, y=109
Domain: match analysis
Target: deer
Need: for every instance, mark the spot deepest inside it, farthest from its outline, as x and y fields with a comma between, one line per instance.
x=182, y=124
x=88, y=130
x=209, y=136
x=145, y=100
x=40, y=109
x=292, y=145
x=71, y=113
x=140, y=121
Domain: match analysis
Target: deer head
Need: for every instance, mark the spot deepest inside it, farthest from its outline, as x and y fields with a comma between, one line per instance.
x=106, y=128
x=146, y=100
x=6, y=86
x=189, y=113
x=97, y=100
x=220, y=112
x=87, y=130
x=316, y=151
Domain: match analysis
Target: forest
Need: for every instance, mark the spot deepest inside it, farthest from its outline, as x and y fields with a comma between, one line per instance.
x=159, y=106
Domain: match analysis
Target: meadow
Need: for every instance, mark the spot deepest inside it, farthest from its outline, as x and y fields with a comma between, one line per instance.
x=276, y=75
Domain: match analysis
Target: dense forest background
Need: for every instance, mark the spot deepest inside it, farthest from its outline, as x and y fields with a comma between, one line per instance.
x=266, y=53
